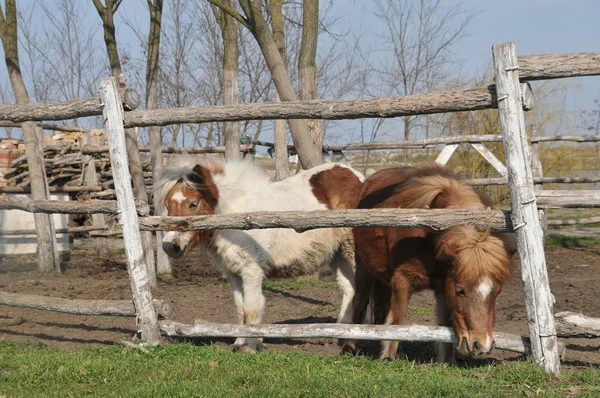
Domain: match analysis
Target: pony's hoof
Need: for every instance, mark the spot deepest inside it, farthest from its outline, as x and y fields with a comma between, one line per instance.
x=348, y=349
x=247, y=350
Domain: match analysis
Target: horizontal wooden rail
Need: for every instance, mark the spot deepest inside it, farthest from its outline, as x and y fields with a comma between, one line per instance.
x=579, y=221
x=79, y=307
x=65, y=207
x=91, y=106
x=568, y=199
x=53, y=189
x=556, y=66
x=439, y=102
x=436, y=219
x=70, y=230
x=442, y=334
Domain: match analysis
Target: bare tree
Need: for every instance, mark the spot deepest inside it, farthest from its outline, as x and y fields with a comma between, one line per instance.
x=307, y=63
x=155, y=7
x=229, y=83
x=61, y=62
x=282, y=164
x=106, y=13
x=47, y=246
x=254, y=20
x=418, y=41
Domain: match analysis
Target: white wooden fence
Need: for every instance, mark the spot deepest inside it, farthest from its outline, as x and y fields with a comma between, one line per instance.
x=507, y=96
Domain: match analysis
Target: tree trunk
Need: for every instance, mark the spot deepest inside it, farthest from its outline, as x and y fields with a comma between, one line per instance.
x=307, y=65
x=131, y=142
x=231, y=92
x=282, y=164
x=48, y=256
x=163, y=261
x=308, y=153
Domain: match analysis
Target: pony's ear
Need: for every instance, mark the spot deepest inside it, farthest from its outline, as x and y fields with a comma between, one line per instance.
x=199, y=176
x=510, y=242
x=447, y=248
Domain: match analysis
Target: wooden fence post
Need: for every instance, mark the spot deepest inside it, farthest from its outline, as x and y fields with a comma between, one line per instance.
x=142, y=297
x=530, y=237
x=90, y=178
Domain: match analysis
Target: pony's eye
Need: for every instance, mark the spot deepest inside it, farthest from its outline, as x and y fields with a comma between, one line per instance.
x=193, y=205
x=460, y=292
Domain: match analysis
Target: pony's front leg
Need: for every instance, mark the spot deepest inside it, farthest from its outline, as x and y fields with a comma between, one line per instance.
x=344, y=272
x=360, y=301
x=396, y=315
x=238, y=299
x=445, y=351
x=254, y=303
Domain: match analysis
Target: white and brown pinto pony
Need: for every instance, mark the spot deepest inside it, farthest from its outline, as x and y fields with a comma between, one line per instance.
x=463, y=266
x=209, y=185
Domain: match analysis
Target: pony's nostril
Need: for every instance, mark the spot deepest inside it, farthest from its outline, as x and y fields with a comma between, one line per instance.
x=172, y=249
x=493, y=346
x=476, y=347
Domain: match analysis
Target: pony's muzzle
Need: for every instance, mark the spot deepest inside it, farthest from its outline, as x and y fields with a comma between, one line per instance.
x=172, y=249
x=479, y=347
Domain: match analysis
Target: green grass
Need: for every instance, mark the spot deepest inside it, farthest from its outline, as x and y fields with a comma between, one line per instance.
x=572, y=241
x=182, y=370
x=298, y=283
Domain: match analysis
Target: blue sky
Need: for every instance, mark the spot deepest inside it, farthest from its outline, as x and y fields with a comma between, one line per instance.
x=536, y=26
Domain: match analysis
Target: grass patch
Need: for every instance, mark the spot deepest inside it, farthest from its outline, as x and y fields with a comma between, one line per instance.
x=427, y=311
x=571, y=241
x=298, y=283
x=184, y=370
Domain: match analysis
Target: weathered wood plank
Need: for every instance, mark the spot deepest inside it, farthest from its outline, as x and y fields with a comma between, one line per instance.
x=52, y=189
x=570, y=199
x=490, y=157
x=437, y=219
x=442, y=334
x=530, y=236
x=580, y=221
x=142, y=296
x=83, y=107
x=87, y=228
x=63, y=207
x=572, y=324
x=446, y=153
x=78, y=307
x=556, y=66
x=440, y=102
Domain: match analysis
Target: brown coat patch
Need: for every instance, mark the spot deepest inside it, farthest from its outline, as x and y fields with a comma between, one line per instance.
x=337, y=188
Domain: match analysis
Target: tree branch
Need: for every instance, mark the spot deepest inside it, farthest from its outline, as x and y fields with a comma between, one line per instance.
x=99, y=7
x=116, y=5
x=229, y=10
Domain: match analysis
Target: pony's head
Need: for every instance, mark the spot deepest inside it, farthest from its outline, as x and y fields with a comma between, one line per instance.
x=479, y=264
x=187, y=188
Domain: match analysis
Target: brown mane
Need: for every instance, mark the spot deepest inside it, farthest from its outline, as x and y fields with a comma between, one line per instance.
x=433, y=186
x=474, y=254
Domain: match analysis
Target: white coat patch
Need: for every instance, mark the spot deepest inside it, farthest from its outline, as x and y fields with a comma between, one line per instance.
x=178, y=197
x=485, y=287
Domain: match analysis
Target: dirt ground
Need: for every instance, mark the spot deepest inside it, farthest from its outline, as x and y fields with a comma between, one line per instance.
x=198, y=292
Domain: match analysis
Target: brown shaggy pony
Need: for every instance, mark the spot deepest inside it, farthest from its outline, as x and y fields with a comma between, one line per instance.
x=463, y=266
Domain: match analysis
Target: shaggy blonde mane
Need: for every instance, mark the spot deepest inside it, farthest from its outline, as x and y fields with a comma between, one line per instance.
x=475, y=254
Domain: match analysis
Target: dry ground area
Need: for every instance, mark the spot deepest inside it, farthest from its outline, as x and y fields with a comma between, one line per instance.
x=198, y=292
